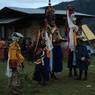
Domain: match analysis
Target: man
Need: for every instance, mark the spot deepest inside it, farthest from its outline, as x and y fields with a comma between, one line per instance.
x=73, y=28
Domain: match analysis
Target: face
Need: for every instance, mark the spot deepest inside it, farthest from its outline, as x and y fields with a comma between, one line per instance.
x=15, y=38
x=73, y=18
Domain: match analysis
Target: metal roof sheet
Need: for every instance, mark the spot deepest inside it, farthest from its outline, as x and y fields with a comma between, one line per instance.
x=6, y=21
x=42, y=11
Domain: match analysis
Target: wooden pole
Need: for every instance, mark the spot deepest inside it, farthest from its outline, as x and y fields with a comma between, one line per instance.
x=49, y=2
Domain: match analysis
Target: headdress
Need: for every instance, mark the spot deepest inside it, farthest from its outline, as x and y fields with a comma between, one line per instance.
x=16, y=36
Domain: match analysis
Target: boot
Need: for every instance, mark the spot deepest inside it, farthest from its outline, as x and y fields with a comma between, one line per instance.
x=85, y=77
x=70, y=72
x=80, y=74
x=53, y=75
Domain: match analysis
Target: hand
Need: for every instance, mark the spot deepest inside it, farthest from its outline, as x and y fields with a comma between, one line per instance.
x=82, y=58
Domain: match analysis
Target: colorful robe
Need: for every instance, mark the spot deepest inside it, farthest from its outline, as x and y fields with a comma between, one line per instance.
x=72, y=31
x=42, y=68
x=15, y=57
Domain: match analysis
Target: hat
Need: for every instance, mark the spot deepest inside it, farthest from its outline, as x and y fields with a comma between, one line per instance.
x=16, y=36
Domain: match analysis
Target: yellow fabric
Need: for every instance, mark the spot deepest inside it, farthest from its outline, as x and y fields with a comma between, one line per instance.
x=48, y=53
x=20, y=58
x=75, y=39
x=15, y=52
x=87, y=33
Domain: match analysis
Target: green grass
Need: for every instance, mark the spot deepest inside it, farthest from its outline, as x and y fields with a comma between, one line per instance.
x=62, y=86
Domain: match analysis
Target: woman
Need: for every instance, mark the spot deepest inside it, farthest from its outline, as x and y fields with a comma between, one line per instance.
x=57, y=54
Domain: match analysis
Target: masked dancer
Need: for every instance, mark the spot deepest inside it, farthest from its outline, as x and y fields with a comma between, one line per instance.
x=15, y=58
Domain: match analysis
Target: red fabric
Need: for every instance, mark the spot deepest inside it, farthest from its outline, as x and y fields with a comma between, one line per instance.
x=13, y=63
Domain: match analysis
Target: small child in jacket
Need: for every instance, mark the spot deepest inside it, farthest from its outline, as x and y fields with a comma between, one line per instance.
x=82, y=57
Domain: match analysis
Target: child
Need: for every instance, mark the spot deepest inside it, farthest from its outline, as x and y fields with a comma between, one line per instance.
x=41, y=73
x=15, y=58
x=82, y=59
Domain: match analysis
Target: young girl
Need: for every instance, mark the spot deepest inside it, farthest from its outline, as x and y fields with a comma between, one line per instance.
x=41, y=73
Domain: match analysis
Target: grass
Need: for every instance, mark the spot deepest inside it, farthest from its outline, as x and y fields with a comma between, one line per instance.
x=62, y=86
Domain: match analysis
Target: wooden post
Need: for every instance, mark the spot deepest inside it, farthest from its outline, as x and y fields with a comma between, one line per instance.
x=3, y=31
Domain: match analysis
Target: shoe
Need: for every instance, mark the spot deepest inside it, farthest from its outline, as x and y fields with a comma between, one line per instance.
x=53, y=76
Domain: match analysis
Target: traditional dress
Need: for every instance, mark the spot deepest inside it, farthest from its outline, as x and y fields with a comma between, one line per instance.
x=42, y=68
x=15, y=58
x=49, y=45
x=49, y=22
x=71, y=40
x=57, y=52
x=57, y=58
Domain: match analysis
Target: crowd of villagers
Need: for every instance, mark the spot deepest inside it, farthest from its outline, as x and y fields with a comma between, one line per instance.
x=48, y=54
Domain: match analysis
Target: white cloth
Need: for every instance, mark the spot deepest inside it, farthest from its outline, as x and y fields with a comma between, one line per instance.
x=74, y=58
x=73, y=28
x=69, y=19
x=8, y=71
x=49, y=45
x=71, y=39
x=48, y=41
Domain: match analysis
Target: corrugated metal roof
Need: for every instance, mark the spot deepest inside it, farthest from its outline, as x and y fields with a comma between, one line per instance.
x=6, y=21
x=42, y=11
x=34, y=11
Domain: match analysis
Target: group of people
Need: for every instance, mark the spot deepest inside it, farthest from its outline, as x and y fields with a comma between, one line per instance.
x=49, y=43
x=78, y=61
x=48, y=50
x=48, y=54
x=49, y=59
x=78, y=56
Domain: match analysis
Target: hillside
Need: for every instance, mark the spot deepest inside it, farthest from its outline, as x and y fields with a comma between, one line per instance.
x=83, y=6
